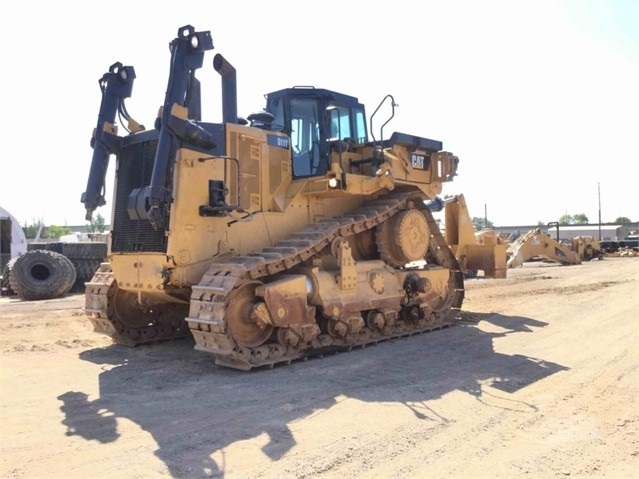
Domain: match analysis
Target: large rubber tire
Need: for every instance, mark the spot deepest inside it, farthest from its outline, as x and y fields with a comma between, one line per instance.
x=5, y=285
x=85, y=268
x=86, y=257
x=41, y=274
x=85, y=251
x=49, y=246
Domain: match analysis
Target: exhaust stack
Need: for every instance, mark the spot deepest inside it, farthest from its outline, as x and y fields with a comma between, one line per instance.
x=229, y=88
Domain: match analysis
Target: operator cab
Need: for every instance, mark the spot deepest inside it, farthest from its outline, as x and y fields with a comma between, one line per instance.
x=313, y=118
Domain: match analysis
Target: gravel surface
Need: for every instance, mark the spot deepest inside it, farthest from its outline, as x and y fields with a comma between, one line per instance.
x=540, y=379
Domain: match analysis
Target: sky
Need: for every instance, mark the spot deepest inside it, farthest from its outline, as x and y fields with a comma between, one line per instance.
x=539, y=100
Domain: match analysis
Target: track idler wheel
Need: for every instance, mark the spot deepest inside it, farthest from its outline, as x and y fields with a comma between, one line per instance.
x=133, y=323
x=243, y=321
x=404, y=238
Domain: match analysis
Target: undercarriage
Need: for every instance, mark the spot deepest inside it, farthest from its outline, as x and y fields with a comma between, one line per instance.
x=340, y=283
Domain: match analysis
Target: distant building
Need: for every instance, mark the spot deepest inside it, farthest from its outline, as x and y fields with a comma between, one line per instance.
x=75, y=229
x=85, y=228
x=608, y=232
x=12, y=239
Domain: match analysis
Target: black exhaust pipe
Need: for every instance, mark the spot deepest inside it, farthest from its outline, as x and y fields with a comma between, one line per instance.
x=229, y=88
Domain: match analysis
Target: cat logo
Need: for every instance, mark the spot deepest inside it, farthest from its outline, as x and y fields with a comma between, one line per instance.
x=418, y=161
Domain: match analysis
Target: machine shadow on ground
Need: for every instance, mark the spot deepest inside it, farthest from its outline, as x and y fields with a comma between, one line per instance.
x=194, y=409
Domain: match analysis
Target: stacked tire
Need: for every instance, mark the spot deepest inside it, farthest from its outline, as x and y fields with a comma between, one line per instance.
x=49, y=246
x=41, y=274
x=5, y=285
x=86, y=258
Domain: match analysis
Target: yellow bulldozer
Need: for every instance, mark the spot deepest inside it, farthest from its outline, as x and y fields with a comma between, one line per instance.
x=272, y=238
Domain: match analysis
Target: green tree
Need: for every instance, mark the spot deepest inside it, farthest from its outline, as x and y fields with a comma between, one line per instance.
x=480, y=223
x=577, y=219
x=565, y=219
x=622, y=220
x=580, y=219
x=96, y=225
x=54, y=232
x=31, y=231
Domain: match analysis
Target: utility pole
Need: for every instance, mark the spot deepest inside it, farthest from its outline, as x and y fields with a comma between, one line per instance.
x=485, y=216
x=599, y=197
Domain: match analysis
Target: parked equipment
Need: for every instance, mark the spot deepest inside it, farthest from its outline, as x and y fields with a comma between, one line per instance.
x=268, y=239
x=587, y=247
x=536, y=244
x=628, y=246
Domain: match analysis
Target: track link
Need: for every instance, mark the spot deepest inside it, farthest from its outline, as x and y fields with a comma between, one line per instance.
x=102, y=297
x=209, y=299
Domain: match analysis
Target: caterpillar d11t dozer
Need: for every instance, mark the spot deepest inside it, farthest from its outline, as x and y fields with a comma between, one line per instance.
x=269, y=239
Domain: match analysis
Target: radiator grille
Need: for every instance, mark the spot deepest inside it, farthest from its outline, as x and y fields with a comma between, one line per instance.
x=135, y=167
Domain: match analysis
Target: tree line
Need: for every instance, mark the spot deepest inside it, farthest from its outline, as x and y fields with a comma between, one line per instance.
x=96, y=225
x=576, y=219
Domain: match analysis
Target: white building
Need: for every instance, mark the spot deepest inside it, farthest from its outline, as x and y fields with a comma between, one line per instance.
x=13, y=242
x=608, y=232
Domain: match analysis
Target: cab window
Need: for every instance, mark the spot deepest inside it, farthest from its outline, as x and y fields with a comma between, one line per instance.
x=305, y=137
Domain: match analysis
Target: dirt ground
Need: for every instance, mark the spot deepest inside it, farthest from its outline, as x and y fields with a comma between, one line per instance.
x=539, y=380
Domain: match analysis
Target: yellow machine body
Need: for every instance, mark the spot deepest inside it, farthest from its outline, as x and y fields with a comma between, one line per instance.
x=275, y=238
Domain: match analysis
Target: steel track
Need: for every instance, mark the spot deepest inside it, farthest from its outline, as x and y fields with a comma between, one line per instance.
x=209, y=299
x=208, y=322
